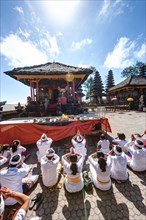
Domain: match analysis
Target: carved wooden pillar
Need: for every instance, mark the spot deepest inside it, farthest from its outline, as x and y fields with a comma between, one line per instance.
x=31, y=89
x=67, y=89
x=73, y=89
x=37, y=90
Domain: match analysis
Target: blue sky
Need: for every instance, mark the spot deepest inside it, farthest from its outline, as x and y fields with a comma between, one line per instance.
x=101, y=33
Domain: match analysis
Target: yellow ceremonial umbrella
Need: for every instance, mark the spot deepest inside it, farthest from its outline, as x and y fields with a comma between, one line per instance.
x=130, y=99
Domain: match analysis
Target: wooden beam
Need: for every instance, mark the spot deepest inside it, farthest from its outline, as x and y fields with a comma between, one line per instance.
x=127, y=89
x=55, y=77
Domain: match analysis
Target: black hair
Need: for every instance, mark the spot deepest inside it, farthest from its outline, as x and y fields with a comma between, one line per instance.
x=73, y=158
x=16, y=142
x=121, y=136
x=14, y=148
x=101, y=161
x=15, y=158
x=119, y=149
x=140, y=143
x=100, y=154
x=5, y=147
x=102, y=164
x=74, y=168
x=50, y=158
x=102, y=137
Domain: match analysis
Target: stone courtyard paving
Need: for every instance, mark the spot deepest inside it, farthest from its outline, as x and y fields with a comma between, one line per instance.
x=124, y=201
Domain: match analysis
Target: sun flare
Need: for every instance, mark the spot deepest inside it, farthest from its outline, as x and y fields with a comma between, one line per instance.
x=60, y=11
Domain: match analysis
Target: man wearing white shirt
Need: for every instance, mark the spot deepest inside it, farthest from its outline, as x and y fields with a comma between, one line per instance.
x=121, y=141
x=138, y=153
x=12, y=177
x=119, y=164
x=79, y=143
x=103, y=144
x=43, y=144
x=50, y=168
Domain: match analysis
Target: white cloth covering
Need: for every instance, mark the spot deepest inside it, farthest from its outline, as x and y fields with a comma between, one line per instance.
x=119, y=167
x=21, y=214
x=43, y=146
x=104, y=145
x=100, y=179
x=12, y=178
x=73, y=187
x=138, y=160
x=80, y=148
x=49, y=169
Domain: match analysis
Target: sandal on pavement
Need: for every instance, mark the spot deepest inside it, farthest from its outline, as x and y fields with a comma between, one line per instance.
x=39, y=203
x=36, y=199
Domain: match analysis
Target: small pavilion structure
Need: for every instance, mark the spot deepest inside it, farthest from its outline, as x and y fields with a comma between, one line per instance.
x=133, y=89
x=51, y=80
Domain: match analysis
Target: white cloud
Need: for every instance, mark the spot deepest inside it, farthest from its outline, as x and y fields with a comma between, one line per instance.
x=53, y=46
x=141, y=52
x=122, y=54
x=49, y=43
x=104, y=8
x=24, y=33
x=84, y=65
x=19, y=10
x=59, y=34
x=80, y=44
x=21, y=53
x=110, y=8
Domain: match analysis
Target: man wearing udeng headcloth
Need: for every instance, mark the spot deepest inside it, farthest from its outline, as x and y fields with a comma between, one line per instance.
x=12, y=177
x=50, y=168
x=79, y=144
x=43, y=145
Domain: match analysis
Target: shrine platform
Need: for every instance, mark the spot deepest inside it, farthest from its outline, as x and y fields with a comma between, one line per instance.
x=29, y=130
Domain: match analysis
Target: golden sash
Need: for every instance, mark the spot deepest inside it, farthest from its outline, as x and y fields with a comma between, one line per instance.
x=103, y=183
x=74, y=180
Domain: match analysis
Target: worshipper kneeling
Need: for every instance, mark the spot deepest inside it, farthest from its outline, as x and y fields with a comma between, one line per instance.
x=100, y=168
x=50, y=168
x=5, y=151
x=12, y=177
x=103, y=144
x=79, y=144
x=119, y=164
x=18, y=149
x=21, y=198
x=73, y=164
x=137, y=161
x=121, y=141
x=43, y=144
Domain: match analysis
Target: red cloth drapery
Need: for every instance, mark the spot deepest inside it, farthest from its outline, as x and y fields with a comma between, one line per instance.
x=30, y=133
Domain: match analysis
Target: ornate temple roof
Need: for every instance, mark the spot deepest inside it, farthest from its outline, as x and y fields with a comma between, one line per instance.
x=49, y=70
x=131, y=81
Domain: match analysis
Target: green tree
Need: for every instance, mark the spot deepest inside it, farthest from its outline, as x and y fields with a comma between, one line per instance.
x=132, y=70
x=87, y=87
x=110, y=81
x=97, y=88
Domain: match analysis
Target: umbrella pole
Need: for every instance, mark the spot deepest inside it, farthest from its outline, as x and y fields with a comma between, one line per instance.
x=114, y=106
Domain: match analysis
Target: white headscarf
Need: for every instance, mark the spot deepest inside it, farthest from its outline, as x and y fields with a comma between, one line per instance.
x=15, y=162
x=115, y=150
